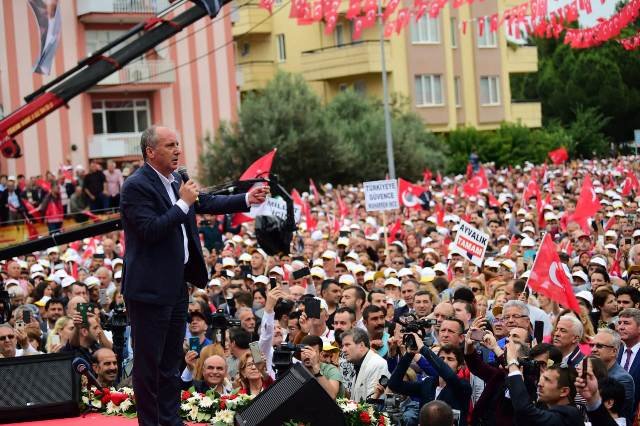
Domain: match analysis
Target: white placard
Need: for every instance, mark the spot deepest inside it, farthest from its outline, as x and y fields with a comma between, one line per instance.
x=275, y=207
x=471, y=243
x=381, y=195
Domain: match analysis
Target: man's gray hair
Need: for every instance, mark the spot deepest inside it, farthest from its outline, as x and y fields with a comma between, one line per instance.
x=522, y=307
x=615, y=336
x=576, y=324
x=241, y=310
x=6, y=325
x=149, y=139
x=358, y=335
x=630, y=313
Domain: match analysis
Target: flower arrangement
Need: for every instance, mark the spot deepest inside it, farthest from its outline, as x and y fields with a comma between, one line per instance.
x=216, y=409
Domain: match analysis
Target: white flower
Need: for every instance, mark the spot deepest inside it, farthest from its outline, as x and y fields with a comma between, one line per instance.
x=85, y=400
x=371, y=412
x=112, y=408
x=127, y=391
x=206, y=402
x=97, y=403
x=185, y=407
x=224, y=417
x=193, y=415
x=349, y=407
x=126, y=404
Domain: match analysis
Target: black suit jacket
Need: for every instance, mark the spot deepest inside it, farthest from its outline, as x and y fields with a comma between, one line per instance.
x=154, y=270
x=4, y=204
x=634, y=371
x=525, y=411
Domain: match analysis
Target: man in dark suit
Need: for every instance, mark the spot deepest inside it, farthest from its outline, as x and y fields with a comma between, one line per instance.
x=556, y=389
x=163, y=254
x=629, y=330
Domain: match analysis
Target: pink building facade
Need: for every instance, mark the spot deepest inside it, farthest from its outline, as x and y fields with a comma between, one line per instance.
x=106, y=122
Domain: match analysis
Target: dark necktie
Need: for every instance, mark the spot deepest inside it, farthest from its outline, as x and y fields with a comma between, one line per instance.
x=629, y=352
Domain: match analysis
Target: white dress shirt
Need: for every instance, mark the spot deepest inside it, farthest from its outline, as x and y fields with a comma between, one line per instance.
x=180, y=203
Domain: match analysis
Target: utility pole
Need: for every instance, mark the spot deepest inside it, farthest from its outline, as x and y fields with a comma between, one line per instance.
x=385, y=90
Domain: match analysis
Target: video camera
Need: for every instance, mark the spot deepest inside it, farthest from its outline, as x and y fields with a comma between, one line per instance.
x=411, y=324
x=283, y=357
x=221, y=322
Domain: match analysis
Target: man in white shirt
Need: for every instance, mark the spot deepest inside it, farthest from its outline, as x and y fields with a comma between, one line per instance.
x=9, y=338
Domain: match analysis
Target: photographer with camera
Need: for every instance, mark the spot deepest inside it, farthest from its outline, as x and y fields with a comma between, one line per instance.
x=268, y=327
x=556, y=389
x=447, y=386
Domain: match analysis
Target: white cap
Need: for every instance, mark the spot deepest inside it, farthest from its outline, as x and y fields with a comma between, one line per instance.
x=343, y=241
x=529, y=229
x=440, y=267
x=405, y=272
x=611, y=233
x=369, y=276
x=527, y=242
x=36, y=267
x=67, y=281
x=214, y=282
x=392, y=281
x=11, y=281
x=525, y=274
x=346, y=279
x=59, y=275
x=427, y=275
x=548, y=216
x=510, y=264
x=262, y=253
x=581, y=275
x=245, y=257
x=53, y=249
x=489, y=263
x=636, y=233
x=611, y=247
x=389, y=271
x=277, y=270
x=228, y=261
x=323, y=303
x=93, y=281
x=358, y=269
x=116, y=261
x=352, y=255
x=586, y=295
x=317, y=271
x=261, y=279
x=597, y=260
x=118, y=274
x=329, y=254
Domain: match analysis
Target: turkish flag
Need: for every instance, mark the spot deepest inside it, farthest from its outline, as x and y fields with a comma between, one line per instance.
x=559, y=156
x=426, y=176
x=493, y=202
x=259, y=168
x=354, y=9
x=314, y=190
x=439, y=214
x=312, y=223
x=476, y=184
x=409, y=194
x=630, y=184
x=296, y=198
x=549, y=278
x=343, y=210
x=588, y=205
x=532, y=190
x=391, y=237
x=610, y=223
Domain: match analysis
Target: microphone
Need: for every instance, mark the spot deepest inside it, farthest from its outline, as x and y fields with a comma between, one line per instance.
x=82, y=367
x=182, y=171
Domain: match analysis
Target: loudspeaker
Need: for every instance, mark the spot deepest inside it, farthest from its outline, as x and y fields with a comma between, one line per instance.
x=296, y=395
x=38, y=387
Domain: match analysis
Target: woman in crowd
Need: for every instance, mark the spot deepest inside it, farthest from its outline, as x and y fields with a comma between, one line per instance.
x=63, y=329
x=253, y=378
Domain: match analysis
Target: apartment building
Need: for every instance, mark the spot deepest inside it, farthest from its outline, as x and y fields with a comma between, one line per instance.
x=106, y=122
x=452, y=79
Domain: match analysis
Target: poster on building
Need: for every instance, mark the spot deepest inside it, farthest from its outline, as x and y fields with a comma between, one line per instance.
x=49, y=19
x=381, y=195
x=470, y=243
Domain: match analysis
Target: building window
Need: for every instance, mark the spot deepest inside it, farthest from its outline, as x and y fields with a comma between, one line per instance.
x=425, y=30
x=360, y=87
x=339, y=35
x=488, y=38
x=429, y=90
x=458, y=91
x=343, y=87
x=120, y=116
x=96, y=39
x=490, y=90
x=282, y=50
x=454, y=33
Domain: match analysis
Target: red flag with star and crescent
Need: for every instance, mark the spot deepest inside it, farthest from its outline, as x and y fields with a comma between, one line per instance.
x=477, y=183
x=587, y=207
x=549, y=278
x=630, y=184
x=409, y=194
x=260, y=168
x=559, y=156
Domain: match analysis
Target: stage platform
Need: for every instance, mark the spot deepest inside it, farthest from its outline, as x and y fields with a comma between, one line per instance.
x=93, y=419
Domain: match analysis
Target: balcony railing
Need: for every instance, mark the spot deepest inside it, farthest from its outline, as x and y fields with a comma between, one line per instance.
x=112, y=145
x=121, y=7
x=250, y=18
x=522, y=59
x=345, y=60
x=528, y=113
x=147, y=71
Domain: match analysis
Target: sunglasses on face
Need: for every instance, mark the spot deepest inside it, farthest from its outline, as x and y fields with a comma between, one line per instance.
x=8, y=337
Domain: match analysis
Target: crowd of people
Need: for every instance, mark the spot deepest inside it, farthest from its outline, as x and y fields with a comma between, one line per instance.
x=72, y=192
x=390, y=314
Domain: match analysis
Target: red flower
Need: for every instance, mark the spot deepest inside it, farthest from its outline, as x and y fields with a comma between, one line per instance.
x=118, y=397
x=381, y=421
x=242, y=391
x=365, y=418
x=232, y=397
x=223, y=404
x=185, y=395
x=106, y=396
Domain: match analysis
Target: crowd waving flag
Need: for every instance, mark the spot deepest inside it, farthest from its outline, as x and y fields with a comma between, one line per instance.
x=476, y=183
x=588, y=205
x=549, y=278
x=409, y=194
x=260, y=168
x=559, y=156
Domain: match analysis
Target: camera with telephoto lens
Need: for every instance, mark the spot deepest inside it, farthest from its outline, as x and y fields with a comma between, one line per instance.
x=411, y=324
x=222, y=321
x=283, y=357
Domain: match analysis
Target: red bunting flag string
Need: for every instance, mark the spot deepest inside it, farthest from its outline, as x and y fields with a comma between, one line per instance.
x=532, y=17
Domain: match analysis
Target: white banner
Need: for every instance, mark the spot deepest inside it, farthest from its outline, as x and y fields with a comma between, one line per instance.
x=471, y=243
x=381, y=195
x=275, y=207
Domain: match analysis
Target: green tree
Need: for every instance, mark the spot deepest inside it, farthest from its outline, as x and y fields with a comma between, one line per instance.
x=343, y=142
